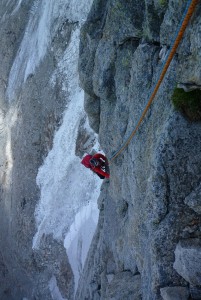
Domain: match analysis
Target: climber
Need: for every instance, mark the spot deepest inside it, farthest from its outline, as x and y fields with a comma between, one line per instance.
x=98, y=163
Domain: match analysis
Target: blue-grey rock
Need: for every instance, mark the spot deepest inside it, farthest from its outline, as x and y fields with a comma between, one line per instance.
x=152, y=199
x=193, y=200
x=143, y=213
x=195, y=292
x=124, y=286
x=188, y=260
x=175, y=293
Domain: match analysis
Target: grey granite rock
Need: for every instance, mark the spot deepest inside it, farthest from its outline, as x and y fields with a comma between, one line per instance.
x=188, y=260
x=124, y=286
x=142, y=208
x=193, y=200
x=92, y=108
x=152, y=199
x=195, y=292
x=188, y=87
x=175, y=293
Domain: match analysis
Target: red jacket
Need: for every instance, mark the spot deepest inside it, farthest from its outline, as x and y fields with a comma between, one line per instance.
x=86, y=162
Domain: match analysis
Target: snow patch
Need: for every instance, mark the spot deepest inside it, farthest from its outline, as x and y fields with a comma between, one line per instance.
x=65, y=184
x=33, y=46
x=17, y=7
x=67, y=208
x=78, y=10
x=10, y=120
x=78, y=239
x=46, y=16
x=54, y=290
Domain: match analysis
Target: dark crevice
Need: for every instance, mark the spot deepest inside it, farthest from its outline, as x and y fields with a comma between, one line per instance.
x=152, y=43
x=134, y=274
x=123, y=210
x=155, y=43
x=131, y=39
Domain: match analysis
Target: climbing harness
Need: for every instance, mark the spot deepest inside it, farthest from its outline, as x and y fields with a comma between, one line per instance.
x=190, y=8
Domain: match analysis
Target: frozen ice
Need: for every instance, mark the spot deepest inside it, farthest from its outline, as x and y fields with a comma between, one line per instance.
x=55, y=292
x=67, y=207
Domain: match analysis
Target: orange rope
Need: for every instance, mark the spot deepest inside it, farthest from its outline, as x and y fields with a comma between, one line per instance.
x=169, y=59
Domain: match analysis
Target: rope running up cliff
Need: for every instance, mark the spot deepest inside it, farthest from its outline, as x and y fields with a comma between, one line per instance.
x=190, y=8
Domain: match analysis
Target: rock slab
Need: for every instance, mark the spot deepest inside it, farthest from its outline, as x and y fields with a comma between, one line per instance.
x=188, y=260
x=175, y=293
x=193, y=200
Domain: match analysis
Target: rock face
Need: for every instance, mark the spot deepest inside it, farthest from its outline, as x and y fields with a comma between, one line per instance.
x=193, y=200
x=147, y=242
x=188, y=260
x=143, y=211
x=177, y=292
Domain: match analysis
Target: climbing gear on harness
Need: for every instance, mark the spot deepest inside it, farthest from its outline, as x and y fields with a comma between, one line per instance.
x=98, y=164
x=94, y=162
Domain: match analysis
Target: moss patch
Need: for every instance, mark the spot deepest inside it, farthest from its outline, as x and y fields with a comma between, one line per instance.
x=188, y=103
x=162, y=2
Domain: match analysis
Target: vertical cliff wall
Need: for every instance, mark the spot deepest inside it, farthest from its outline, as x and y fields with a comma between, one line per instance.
x=147, y=245
x=147, y=241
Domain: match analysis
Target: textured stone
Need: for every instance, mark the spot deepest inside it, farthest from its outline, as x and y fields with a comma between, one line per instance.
x=193, y=200
x=110, y=277
x=175, y=293
x=188, y=260
x=152, y=199
x=92, y=108
x=188, y=87
x=195, y=292
x=124, y=286
x=143, y=213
